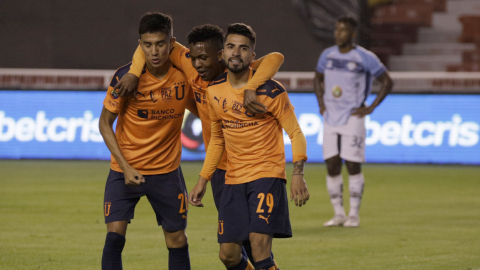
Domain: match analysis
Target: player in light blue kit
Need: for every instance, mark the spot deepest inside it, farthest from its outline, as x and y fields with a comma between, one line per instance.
x=343, y=80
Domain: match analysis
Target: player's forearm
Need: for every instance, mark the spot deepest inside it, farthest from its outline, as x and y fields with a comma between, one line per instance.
x=266, y=67
x=192, y=107
x=138, y=62
x=214, y=151
x=319, y=89
x=299, y=143
x=385, y=89
x=106, y=130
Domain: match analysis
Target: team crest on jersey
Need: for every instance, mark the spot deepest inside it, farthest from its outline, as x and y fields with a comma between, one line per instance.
x=114, y=94
x=224, y=105
x=337, y=91
x=351, y=66
x=187, y=55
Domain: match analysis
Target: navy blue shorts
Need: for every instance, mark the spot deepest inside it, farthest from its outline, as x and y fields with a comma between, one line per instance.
x=260, y=206
x=218, y=182
x=166, y=193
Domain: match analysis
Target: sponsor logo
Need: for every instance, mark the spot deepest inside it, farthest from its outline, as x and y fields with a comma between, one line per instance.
x=265, y=218
x=237, y=107
x=166, y=94
x=224, y=106
x=337, y=91
x=142, y=114
x=153, y=98
x=230, y=124
x=43, y=129
x=218, y=99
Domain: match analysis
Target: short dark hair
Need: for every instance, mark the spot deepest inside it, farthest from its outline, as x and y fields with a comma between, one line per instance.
x=348, y=19
x=155, y=22
x=242, y=29
x=206, y=32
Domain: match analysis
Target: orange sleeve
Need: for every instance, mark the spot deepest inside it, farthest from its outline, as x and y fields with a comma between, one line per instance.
x=138, y=62
x=215, y=147
x=299, y=143
x=180, y=58
x=112, y=101
x=266, y=67
x=281, y=106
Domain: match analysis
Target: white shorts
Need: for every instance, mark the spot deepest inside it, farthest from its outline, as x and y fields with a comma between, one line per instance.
x=347, y=140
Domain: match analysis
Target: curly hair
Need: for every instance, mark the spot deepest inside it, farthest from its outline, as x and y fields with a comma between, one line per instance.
x=206, y=33
x=348, y=19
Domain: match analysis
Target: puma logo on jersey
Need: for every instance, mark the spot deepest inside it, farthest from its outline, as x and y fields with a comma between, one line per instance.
x=276, y=89
x=262, y=217
x=218, y=100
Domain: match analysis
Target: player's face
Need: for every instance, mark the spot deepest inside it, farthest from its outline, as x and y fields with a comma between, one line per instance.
x=344, y=34
x=205, y=59
x=156, y=47
x=238, y=53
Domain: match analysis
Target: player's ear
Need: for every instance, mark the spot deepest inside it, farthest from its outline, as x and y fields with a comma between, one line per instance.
x=253, y=57
x=172, y=41
x=220, y=55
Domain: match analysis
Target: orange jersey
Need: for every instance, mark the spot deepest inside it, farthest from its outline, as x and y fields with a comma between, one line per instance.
x=180, y=58
x=254, y=143
x=149, y=127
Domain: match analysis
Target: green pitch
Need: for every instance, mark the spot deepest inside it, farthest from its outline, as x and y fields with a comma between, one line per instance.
x=412, y=217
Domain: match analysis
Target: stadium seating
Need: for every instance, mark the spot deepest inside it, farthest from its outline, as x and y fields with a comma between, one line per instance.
x=427, y=35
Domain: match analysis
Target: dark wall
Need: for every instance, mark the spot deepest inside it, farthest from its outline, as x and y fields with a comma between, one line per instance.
x=93, y=34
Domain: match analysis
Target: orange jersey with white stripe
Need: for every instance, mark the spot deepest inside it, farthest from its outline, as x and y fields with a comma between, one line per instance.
x=180, y=58
x=149, y=127
x=254, y=143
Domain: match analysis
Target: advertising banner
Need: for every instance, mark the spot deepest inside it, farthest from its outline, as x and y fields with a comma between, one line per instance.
x=403, y=129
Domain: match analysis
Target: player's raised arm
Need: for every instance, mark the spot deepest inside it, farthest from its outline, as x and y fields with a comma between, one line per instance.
x=129, y=82
x=213, y=157
x=266, y=67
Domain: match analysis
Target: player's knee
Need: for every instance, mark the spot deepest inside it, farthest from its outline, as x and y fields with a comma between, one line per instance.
x=119, y=227
x=353, y=167
x=228, y=257
x=334, y=165
x=176, y=239
x=261, y=245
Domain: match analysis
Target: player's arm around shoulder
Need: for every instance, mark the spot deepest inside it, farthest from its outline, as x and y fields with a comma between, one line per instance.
x=266, y=68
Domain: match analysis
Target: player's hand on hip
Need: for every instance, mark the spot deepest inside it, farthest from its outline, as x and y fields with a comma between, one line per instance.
x=197, y=193
x=251, y=104
x=298, y=190
x=133, y=177
x=322, y=110
x=362, y=111
x=127, y=86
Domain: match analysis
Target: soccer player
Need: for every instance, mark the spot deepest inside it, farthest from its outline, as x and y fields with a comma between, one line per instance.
x=201, y=64
x=343, y=81
x=254, y=204
x=146, y=147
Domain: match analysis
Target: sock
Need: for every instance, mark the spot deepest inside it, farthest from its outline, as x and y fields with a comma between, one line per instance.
x=267, y=264
x=273, y=258
x=178, y=258
x=244, y=264
x=356, y=183
x=335, y=190
x=112, y=251
x=247, y=250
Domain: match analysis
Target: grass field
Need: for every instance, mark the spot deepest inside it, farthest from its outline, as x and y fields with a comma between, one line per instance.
x=412, y=217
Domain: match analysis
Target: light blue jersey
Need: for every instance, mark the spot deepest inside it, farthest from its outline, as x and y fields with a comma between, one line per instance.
x=348, y=81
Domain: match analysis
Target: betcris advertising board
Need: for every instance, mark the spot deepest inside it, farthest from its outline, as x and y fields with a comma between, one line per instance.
x=403, y=129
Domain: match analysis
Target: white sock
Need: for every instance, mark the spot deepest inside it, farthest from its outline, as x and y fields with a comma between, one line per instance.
x=335, y=190
x=356, y=184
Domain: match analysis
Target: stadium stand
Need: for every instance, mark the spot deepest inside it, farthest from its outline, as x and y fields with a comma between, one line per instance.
x=427, y=35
